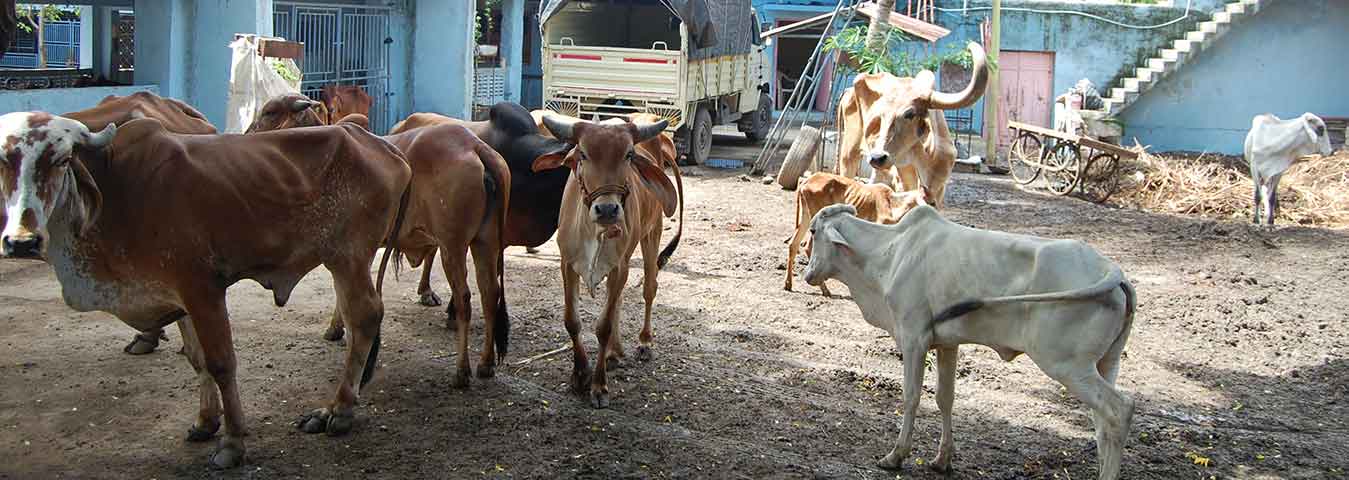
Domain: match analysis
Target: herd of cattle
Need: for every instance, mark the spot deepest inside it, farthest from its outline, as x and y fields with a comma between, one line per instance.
x=146, y=213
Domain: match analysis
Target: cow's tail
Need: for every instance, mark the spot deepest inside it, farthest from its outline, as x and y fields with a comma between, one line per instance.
x=1112, y=280
x=391, y=243
x=679, y=231
x=501, y=175
x=370, y=360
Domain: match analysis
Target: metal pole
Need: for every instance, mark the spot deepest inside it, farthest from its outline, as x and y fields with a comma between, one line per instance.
x=991, y=94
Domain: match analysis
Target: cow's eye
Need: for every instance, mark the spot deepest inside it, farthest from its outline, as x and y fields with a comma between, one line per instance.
x=908, y=114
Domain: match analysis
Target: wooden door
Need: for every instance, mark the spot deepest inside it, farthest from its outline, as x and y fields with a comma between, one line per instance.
x=1026, y=82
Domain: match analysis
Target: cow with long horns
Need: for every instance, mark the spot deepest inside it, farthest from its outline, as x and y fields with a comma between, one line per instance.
x=897, y=122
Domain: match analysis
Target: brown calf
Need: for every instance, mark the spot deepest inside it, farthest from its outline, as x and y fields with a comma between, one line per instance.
x=613, y=202
x=874, y=202
x=156, y=226
x=343, y=100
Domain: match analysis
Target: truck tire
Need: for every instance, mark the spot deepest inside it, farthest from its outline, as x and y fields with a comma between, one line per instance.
x=799, y=156
x=761, y=120
x=700, y=137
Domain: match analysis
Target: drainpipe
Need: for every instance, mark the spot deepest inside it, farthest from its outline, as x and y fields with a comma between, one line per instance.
x=991, y=94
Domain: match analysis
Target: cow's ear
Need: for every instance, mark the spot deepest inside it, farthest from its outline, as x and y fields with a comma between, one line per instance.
x=565, y=155
x=833, y=236
x=90, y=196
x=655, y=179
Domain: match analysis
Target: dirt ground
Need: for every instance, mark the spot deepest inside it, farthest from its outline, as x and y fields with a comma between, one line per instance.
x=1237, y=357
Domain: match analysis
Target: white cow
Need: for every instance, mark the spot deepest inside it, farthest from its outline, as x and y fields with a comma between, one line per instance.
x=1272, y=146
x=934, y=284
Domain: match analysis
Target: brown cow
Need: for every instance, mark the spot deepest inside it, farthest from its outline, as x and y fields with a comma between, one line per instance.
x=461, y=193
x=874, y=203
x=898, y=122
x=177, y=117
x=343, y=100
x=156, y=226
x=614, y=201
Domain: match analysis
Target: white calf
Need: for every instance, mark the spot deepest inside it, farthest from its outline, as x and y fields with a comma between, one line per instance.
x=1272, y=146
x=934, y=284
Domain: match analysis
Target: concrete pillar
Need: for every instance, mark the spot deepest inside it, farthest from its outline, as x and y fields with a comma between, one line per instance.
x=442, y=66
x=162, y=37
x=87, y=36
x=213, y=26
x=512, y=45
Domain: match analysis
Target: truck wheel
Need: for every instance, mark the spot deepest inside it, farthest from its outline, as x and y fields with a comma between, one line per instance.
x=700, y=137
x=762, y=121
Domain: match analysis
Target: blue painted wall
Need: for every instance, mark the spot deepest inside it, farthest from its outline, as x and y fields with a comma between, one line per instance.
x=1283, y=61
x=63, y=100
x=442, y=76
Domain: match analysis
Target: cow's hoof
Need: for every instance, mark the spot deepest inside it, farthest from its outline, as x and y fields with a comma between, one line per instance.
x=429, y=299
x=893, y=461
x=340, y=424
x=228, y=456
x=486, y=370
x=333, y=334
x=940, y=465
x=599, y=398
x=644, y=353
x=787, y=286
x=203, y=433
x=461, y=378
x=613, y=363
x=142, y=344
x=580, y=379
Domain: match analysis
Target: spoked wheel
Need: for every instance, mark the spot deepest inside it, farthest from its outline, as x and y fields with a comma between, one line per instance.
x=1064, y=166
x=1101, y=177
x=1024, y=157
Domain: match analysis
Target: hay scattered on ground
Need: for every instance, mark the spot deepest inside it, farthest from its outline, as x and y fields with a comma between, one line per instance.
x=1313, y=192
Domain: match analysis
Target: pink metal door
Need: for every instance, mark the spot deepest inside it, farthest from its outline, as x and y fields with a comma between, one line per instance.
x=1026, y=81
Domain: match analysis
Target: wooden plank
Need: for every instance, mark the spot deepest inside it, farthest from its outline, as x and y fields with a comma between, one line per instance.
x=1107, y=147
x=1045, y=131
x=792, y=27
x=276, y=47
x=905, y=23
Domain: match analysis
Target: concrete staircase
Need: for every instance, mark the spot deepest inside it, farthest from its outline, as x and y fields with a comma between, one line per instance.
x=1169, y=60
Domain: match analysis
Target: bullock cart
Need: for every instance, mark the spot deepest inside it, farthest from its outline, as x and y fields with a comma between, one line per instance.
x=1067, y=162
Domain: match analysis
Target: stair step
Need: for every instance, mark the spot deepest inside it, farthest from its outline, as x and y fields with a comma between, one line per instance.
x=1160, y=64
x=1171, y=55
x=1222, y=17
x=1210, y=27
x=1197, y=37
x=1146, y=74
x=1183, y=45
x=1236, y=8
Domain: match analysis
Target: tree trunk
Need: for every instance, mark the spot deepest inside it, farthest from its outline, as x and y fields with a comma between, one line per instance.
x=879, y=25
x=9, y=23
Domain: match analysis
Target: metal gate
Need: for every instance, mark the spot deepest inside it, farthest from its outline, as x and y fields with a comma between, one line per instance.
x=343, y=45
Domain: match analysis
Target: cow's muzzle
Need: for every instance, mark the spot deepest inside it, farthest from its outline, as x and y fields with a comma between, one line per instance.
x=878, y=159
x=606, y=213
x=21, y=246
x=811, y=277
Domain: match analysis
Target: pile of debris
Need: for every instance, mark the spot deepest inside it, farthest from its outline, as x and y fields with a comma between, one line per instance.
x=1314, y=191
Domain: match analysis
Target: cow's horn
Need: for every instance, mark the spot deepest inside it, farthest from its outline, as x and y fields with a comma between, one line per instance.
x=302, y=104
x=972, y=92
x=561, y=126
x=103, y=138
x=646, y=131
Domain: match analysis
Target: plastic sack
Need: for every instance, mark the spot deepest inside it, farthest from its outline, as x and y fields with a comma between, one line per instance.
x=254, y=80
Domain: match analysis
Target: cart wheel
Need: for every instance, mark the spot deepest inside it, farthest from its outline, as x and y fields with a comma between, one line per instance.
x=1101, y=177
x=1024, y=157
x=1064, y=164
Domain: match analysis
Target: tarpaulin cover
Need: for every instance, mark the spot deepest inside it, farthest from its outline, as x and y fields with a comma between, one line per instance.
x=716, y=27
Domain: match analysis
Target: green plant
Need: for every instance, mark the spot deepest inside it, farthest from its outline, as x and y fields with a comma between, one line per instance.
x=484, y=19
x=893, y=59
x=283, y=70
x=50, y=12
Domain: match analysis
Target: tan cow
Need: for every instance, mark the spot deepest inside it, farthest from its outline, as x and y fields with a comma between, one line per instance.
x=613, y=202
x=898, y=122
x=874, y=203
x=460, y=196
x=177, y=117
x=156, y=226
x=343, y=100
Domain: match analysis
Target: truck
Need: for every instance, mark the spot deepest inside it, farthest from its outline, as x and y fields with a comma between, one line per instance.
x=695, y=63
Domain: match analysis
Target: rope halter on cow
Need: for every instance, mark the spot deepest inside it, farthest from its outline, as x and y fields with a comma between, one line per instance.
x=591, y=195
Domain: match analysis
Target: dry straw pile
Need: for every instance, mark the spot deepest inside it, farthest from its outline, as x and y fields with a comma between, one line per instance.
x=1314, y=191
